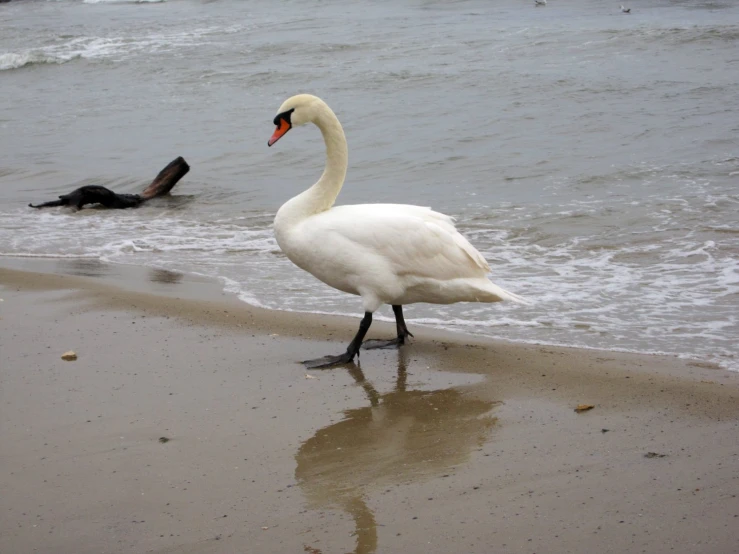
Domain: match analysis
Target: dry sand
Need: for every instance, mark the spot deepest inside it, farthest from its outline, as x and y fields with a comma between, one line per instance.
x=452, y=444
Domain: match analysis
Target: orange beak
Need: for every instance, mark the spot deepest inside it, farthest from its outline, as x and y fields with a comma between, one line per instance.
x=282, y=128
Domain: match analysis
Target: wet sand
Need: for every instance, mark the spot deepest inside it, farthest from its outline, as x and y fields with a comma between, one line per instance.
x=452, y=444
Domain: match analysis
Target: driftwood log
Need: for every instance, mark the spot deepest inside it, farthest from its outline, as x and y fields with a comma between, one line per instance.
x=95, y=194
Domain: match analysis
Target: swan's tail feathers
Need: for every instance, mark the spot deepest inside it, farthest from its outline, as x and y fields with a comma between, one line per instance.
x=507, y=295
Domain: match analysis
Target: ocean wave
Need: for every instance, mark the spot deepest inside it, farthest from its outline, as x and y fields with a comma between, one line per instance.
x=15, y=60
x=677, y=35
x=116, y=48
x=101, y=233
x=56, y=256
x=123, y=1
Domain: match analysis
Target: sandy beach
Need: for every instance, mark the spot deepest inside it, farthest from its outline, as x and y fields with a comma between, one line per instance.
x=186, y=426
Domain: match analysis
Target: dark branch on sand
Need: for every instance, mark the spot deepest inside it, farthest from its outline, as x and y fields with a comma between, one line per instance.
x=95, y=194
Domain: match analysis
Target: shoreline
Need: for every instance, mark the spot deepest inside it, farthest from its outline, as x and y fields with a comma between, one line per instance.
x=166, y=283
x=186, y=425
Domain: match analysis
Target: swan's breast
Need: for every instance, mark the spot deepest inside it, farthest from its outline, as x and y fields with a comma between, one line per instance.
x=319, y=253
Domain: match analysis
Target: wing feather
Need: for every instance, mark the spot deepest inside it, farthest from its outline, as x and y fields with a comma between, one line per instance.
x=414, y=240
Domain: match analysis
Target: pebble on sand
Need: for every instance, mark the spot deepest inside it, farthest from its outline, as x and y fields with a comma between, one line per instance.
x=69, y=356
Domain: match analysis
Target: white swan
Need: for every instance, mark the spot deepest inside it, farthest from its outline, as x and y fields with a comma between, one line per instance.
x=386, y=253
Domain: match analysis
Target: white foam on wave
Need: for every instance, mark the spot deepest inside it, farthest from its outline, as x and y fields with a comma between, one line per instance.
x=100, y=232
x=116, y=48
x=236, y=288
x=14, y=60
x=50, y=256
x=123, y=1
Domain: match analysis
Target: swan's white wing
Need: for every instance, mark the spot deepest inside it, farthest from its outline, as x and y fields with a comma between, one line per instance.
x=413, y=240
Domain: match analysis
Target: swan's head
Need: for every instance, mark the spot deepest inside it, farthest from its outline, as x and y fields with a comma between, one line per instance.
x=295, y=111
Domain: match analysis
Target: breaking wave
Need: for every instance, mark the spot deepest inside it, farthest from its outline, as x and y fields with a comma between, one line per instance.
x=115, y=48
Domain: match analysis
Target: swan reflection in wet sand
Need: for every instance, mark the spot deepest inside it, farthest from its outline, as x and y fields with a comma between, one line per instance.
x=403, y=436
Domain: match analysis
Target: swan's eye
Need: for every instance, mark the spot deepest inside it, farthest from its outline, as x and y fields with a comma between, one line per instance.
x=284, y=115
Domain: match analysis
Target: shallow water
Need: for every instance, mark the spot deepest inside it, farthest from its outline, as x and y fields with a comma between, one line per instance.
x=591, y=156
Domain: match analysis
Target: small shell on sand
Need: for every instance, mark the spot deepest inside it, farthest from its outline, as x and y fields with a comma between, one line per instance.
x=584, y=408
x=69, y=356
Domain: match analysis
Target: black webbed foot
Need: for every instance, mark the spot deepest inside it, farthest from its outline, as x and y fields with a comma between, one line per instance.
x=348, y=356
x=403, y=333
x=329, y=361
x=374, y=344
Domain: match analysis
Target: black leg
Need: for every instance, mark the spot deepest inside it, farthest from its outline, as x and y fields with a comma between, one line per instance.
x=402, y=330
x=351, y=351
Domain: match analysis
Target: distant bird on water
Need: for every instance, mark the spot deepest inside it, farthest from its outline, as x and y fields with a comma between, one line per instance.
x=538, y=3
x=625, y=10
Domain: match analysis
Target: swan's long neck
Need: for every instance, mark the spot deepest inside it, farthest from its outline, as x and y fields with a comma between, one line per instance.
x=321, y=196
x=327, y=188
